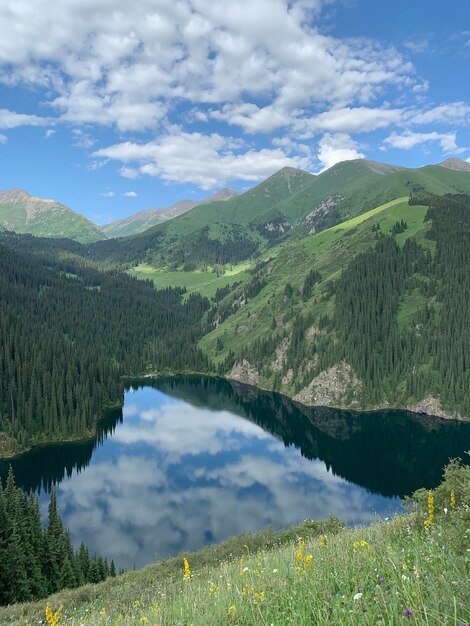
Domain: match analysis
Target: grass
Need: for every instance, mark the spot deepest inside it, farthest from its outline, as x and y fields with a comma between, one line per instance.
x=413, y=569
x=328, y=251
x=204, y=282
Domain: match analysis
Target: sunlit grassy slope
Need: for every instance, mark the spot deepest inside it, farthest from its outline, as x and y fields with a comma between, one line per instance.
x=409, y=570
x=204, y=282
x=328, y=252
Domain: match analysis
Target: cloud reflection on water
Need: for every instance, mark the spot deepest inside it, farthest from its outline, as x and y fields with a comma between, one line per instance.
x=175, y=477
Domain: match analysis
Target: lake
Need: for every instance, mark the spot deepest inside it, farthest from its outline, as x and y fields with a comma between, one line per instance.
x=193, y=461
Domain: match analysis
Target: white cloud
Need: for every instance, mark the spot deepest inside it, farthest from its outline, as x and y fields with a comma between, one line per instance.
x=450, y=113
x=336, y=148
x=205, y=160
x=108, y=194
x=350, y=120
x=10, y=119
x=49, y=133
x=3, y=138
x=130, y=194
x=409, y=140
x=115, y=63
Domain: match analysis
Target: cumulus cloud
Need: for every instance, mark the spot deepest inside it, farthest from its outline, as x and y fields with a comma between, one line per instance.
x=130, y=194
x=205, y=160
x=104, y=71
x=10, y=119
x=333, y=149
x=49, y=133
x=450, y=113
x=409, y=140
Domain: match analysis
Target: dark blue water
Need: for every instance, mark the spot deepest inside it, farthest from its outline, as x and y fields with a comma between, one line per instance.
x=194, y=461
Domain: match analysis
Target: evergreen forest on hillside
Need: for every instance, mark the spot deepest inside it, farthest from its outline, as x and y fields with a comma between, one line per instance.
x=68, y=333
x=396, y=313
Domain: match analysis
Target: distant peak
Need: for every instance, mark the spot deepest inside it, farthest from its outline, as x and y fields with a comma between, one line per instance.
x=18, y=193
x=459, y=165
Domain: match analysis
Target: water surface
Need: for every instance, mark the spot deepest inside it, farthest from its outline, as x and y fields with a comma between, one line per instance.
x=192, y=461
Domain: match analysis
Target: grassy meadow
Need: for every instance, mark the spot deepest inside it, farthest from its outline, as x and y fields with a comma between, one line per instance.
x=413, y=569
x=198, y=281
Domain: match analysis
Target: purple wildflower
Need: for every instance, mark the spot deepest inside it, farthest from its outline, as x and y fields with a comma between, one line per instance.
x=408, y=613
x=381, y=580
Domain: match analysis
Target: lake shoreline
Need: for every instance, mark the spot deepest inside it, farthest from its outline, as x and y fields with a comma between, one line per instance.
x=421, y=408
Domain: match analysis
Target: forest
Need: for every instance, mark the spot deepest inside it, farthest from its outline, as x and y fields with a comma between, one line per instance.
x=70, y=333
x=37, y=560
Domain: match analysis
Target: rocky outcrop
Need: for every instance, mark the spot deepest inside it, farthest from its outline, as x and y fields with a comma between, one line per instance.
x=245, y=373
x=331, y=387
x=432, y=406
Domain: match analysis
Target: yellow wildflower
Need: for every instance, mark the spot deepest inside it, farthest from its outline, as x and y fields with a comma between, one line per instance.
x=232, y=609
x=308, y=560
x=360, y=544
x=53, y=618
x=299, y=556
x=144, y=619
x=430, y=518
x=187, y=570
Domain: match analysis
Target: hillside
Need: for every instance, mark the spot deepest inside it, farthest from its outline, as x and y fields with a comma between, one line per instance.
x=23, y=213
x=286, y=207
x=138, y=222
x=410, y=569
x=369, y=313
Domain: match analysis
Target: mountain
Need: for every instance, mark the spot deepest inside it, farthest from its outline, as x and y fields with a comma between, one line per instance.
x=459, y=165
x=143, y=220
x=371, y=313
x=23, y=213
x=290, y=205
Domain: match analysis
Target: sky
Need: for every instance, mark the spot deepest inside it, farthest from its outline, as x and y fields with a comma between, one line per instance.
x=113, y=107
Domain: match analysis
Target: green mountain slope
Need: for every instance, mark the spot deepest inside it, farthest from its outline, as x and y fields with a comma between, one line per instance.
x=398, y=270
x=23, y=213
x=289, y=205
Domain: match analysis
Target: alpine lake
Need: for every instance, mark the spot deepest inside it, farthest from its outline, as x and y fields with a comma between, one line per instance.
x=192, y=461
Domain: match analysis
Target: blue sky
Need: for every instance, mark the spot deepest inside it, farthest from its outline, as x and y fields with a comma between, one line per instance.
x=112, y=107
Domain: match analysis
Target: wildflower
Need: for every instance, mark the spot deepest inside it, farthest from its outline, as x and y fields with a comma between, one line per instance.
x=322, y=541
x=187, y=570
x=259, y=597
x=232, y=609
x=299, y=556
x=360, y=544
x=301, y=543
x=213, y=589
x=452, y=499
x=357, y=596
x=53, y=618
x=144, y=619
x=308, y=560
x=381, y=580
x=398, y=520
x=274, y=571
x=408, y=613
x=430, y=518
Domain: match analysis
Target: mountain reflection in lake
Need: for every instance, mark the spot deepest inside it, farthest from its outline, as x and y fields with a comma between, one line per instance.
x=191, y=461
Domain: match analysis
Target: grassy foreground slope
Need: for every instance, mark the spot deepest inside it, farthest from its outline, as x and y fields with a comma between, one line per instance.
x=410, y=570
